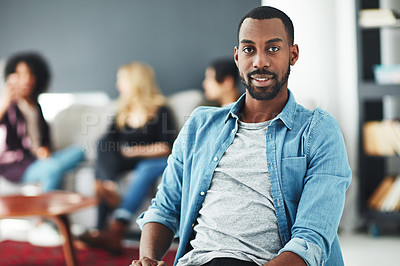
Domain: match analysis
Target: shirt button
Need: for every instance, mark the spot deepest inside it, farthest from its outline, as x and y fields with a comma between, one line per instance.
x=215, y=159
x=192, y=225
x=202, y=193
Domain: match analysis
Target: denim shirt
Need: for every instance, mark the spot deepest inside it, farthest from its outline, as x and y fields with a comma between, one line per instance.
x=308, y=170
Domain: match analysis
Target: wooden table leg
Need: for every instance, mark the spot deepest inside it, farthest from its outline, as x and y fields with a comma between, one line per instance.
x=63, y=225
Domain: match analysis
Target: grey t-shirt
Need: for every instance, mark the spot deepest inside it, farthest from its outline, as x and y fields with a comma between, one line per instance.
x=237, y=218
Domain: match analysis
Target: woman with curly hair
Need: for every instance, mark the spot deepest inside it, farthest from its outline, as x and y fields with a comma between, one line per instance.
x=25, y=150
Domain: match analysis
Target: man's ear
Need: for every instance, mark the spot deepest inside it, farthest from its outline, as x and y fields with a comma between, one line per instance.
x=294, y=54
x=235, y=55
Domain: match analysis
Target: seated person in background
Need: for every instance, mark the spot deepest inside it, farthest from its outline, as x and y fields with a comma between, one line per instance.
x=139, y=139
x=221, y=81
x=25, y=155
x=259, y=182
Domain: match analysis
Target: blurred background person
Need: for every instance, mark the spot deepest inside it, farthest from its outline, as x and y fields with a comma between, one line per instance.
x=221, y=81
x=139, y=140
x=25, y=146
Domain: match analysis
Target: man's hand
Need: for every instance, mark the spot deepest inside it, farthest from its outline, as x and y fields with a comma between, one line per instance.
x=155, y=241
x=286, y=258
x=147, y=261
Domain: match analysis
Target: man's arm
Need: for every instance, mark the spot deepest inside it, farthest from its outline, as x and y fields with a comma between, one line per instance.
x=322, y=198
x=155, y=241
x=286, y=258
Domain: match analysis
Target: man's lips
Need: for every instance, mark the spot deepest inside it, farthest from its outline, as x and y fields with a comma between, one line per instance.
x=261, y=81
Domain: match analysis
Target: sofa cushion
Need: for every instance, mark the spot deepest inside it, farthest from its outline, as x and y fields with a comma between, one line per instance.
x=81, y=125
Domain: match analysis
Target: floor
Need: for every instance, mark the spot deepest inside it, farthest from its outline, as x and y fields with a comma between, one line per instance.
x=359, y=249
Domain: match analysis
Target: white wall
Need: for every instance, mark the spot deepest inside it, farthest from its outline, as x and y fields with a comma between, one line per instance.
x=326, y=70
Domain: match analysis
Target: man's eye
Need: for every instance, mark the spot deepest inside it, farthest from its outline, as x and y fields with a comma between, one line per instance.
x=273, y=49
x=248, y=50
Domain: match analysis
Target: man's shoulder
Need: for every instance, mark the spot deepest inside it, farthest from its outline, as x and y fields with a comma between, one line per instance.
x=204, y=121
x=316, y=120
x=313, y=114
x=319, y=114
x=210, y=112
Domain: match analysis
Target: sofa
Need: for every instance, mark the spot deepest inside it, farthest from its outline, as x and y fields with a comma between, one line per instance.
x=80, y=119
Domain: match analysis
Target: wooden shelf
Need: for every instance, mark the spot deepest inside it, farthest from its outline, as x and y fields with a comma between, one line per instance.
x=394, y=26
x=391, y=217
x=381, y=156
x=371, y=90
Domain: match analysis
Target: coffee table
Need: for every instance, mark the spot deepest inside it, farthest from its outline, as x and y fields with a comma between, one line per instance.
x=55, y=205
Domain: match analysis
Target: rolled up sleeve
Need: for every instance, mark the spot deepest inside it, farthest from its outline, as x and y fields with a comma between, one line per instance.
x=157, y=216
x=310, y=252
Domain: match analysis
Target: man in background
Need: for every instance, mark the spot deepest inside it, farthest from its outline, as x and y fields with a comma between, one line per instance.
x=221, y=81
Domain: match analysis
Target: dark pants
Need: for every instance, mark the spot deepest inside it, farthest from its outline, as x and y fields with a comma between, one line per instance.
x=229, y=262
x=109, y=166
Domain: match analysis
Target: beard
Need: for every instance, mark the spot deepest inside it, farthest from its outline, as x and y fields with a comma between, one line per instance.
x=263, y=93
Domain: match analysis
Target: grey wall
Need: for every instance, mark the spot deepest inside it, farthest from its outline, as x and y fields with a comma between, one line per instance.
x=86, y=41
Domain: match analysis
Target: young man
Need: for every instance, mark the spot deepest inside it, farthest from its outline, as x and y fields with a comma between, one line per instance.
x=261, y=182
x=220, y=81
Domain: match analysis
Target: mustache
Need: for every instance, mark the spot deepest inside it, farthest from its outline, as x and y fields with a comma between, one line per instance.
x=262, y=72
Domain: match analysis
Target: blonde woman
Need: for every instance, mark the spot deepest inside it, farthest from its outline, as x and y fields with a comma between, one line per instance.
x=139, y=139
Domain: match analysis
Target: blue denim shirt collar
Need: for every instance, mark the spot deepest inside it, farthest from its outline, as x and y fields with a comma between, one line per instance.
x=286, y=116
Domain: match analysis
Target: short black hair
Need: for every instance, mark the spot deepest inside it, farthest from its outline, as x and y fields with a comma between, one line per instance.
x=38, y=67
x=268, y=12
x=225, y=67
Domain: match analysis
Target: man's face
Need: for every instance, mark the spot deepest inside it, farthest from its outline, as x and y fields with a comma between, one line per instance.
x=264, y=57
x=212, y=89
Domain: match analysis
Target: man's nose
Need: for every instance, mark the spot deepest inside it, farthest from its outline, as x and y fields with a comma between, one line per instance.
x=261, y=60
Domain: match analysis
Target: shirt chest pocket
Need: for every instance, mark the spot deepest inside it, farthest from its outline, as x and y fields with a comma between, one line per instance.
x=293, y=172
